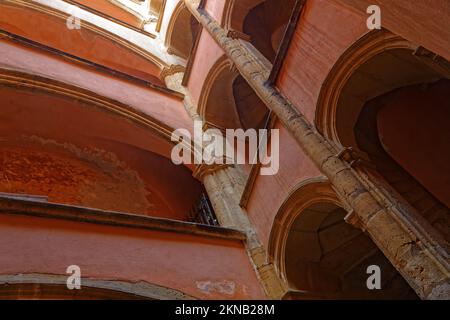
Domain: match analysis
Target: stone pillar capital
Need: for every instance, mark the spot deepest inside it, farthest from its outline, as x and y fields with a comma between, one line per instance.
x=171, y=70
x=203, y=170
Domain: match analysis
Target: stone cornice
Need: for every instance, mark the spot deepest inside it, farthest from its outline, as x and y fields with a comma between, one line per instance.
x=111, y=218
x=171, y=70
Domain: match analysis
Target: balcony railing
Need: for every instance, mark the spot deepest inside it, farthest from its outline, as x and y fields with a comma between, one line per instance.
x=203, y=212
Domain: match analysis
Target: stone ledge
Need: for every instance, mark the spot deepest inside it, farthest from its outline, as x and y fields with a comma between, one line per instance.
x=10, y=205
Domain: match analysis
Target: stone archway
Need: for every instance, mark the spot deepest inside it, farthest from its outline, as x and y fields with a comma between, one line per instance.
x=228, y=102
x=319, y=256
x=181, y=32
x=216, y=104
x=67, y=145
x=377, y=75
x=44, y=286
x=266, y=24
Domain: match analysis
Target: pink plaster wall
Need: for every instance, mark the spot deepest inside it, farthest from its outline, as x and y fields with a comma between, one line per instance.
x=420, y=142
x=328, y=28
x=208, y=52
x=77, y=153
x=424, y=22
x=270, y=192
x=324, y=32
x=163, y=107
x=202, y=267
x=215, y=9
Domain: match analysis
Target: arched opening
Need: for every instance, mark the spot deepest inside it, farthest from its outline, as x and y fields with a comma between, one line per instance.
x=182, y=31
x=37, y=291
x=405, y=136
x=70, y=150
x=319, y=255
x=54, y=287
x=389, y=101
x=266, y=24
x=217, y=106
x=327, y=258
x=228, y=102
x=251, y=110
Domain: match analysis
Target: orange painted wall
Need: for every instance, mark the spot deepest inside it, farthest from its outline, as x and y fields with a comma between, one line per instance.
x=328, y=28
x=202, y=267
x=420, y=141
x=270, y=192
x=84, y=43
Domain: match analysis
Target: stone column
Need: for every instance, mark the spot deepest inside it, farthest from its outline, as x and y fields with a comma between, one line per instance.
x=224, y=185
x=418, y=256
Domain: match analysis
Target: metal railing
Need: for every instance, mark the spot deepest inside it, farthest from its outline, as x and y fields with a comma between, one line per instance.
x=203, y=212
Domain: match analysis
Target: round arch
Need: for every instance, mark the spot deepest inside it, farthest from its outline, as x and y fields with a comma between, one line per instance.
x=227, y=100
x=396, y=60
x=216, y=103
x=236, y=11
x=320, y=256
x=180, y=31
x=359, y=105
x=44, y=286
x=307, y=193
x=77, y=147
x=264, y=22
x=19, y=80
